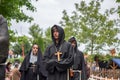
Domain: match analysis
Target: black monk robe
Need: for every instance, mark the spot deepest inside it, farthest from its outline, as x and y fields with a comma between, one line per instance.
x=27, y=72
x=79, y=62
x=57, y=70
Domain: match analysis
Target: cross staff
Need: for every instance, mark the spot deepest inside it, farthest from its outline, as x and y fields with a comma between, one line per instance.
x=58, y=53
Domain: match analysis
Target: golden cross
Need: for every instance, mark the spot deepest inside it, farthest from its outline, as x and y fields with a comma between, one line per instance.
x=58, y=53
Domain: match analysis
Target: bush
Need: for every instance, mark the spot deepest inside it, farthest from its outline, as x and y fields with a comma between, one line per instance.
x=13, y=60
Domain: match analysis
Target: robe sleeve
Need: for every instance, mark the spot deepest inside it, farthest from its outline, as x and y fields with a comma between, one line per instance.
x=24, y=65
x=49, y=63
x=66, y=63
x=83, y=67
x=22, y=69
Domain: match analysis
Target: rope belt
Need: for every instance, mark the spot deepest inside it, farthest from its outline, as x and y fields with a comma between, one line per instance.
x=32, y=67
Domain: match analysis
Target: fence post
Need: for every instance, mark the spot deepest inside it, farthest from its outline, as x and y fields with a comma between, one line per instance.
x=105, y=78
x=92, y=76
x=112, y=78
x=118, y=78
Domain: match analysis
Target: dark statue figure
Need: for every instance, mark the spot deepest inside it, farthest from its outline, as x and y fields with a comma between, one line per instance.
x=4, y=45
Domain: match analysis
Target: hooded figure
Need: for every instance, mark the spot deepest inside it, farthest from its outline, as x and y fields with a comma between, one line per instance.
x=32, y=67
x=4, y=46
x=79, y=62
x=58, y=65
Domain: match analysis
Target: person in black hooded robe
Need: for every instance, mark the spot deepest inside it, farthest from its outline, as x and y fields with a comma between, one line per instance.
x=58, y=66
x=32, y=67
x=79, y=62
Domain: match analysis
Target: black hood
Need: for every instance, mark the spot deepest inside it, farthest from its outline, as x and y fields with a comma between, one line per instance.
x=71, y=40
x=61, y=34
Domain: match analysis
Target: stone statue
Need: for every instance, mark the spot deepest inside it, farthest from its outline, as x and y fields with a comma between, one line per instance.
x=4, y=45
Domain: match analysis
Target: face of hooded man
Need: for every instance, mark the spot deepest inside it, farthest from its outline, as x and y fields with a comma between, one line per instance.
x=73, y=43
x=55, y=34
x=35, y=49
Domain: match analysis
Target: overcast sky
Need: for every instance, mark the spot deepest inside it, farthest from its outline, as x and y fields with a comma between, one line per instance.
x=49, y=12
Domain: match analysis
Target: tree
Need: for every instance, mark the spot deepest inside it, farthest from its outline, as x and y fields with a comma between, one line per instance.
x=118, y=1
x=17, y=49
x=90, y=26
x=22, y=41
x=47, y=39
x=12, y=9
x=37, y=35
x=12, y=36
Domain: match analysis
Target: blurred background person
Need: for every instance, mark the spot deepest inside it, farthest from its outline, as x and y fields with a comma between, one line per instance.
x=8, y=73
x=15, y=72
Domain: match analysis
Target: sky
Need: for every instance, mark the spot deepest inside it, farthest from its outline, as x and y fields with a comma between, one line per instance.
x=50, y=12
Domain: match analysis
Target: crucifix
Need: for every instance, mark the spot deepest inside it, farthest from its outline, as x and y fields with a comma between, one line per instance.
x=58, y=53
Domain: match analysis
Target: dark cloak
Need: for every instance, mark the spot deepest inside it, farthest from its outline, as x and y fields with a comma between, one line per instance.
x=4, y=45
x=57, y=70
x=4, y=40
x=79, y=62
x=27, y=73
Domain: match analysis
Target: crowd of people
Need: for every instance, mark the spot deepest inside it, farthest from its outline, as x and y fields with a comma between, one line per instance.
x=12, y=73
x=62, y=60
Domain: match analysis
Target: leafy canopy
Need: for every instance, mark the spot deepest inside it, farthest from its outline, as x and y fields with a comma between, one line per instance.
x=12, y=9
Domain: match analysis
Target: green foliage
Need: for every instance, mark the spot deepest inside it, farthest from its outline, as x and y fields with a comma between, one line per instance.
x=48, y=33
x=12, y=9
x=105, y=58
x=12, y=36
x=12, y=60
x=35, y=31
x=117, y=0
x=90, y=26
x=37, y=36
x=90, y=58
x=47, y=39
x=117, y=56
x=17, y=47
x=118, y=10
x=100, y=57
